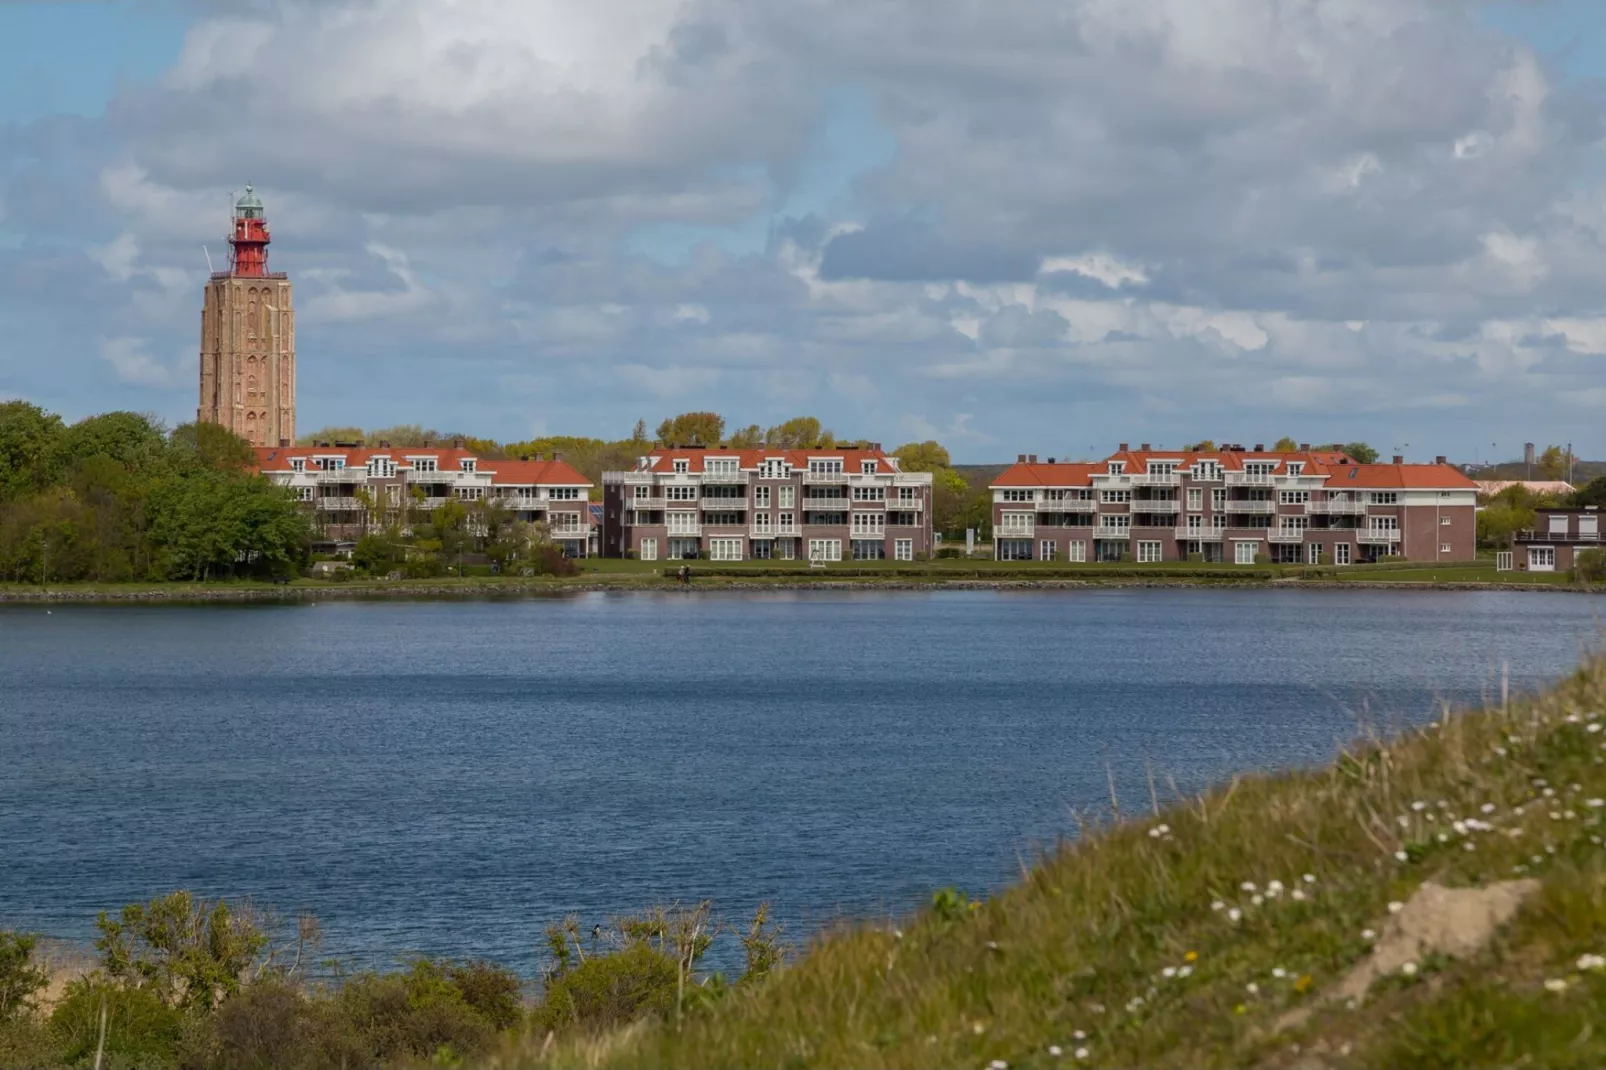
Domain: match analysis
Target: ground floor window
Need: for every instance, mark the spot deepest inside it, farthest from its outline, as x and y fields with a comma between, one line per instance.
x=1542, y=558
x=763, y=549
x=724, y=549
x=1244, y=552
x=1109, y=550
x=1341, y=553
x=869, y=550
x=1076, y=550
x=1213, y=553
x=1014, y=549
x=1286, y=555
x=903, y=549
x=649, y=549
x=1446, y=548
x=682, y=548
x=1046, y=550
x=1313, y=553
x=825, y=549
x=1149, y=553
x=787, y=548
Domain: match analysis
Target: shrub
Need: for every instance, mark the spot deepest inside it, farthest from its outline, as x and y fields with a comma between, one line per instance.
x=187, y=952
x=549, y=561
x=20, y=979
x=494, y=993
x=375, y=1019
x=607, y=991
x=141, y=1030
x=949, y=553
x=266, y=1026
x=1589, y=566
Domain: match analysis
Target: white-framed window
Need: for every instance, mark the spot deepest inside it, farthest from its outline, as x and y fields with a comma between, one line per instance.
x=787, y=524
x=1115, y=497
x=1076, y=550
x=1541, y=558
x=1017, y=523
x=1120, y=522
x=788, y=549
x=908, y=497
x=1381, y=524
x=869, y=523
x=1046, y=550
x=1218, y=497
x=869, y=494
x=761, y=497
x=564, y=494
x=470, y=494
x=681, y=466
x=1244, y=552
x=720, y=466
x=1260, y=468
x=1019, y=495
x=867, y=468
x=649, y=549
x=565, y=525
x=304, y=494
x=903, y=549
x=827, y=467
x=1313, y=553
x=298, y=464
x=1162, y=468
x=1588, y=525
x=686, y=493
x=1296, y=468
x=681, y=523
x=775, y=469
x=1446, y=548
x=1341, y=553
x=724, y=549
x=467, y=464
x=644, y=491
x=762, y=524
x=1117, y=468
x=422, y=464
x=825, y=549
x=788, y=498
x=680, y=549
x=1195, y=498
x=1149, y=553
x=1388, y=497
x=1558, y=524
x=643, y=517
x=1444, y=521
x=1294, y=497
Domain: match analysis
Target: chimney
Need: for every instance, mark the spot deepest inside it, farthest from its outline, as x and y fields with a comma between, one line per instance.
x=1020, y=458
x=1439, y=460
x=1144, y=446
x=1122, y=448
x=384, y=445
x=1051, y=460
x=457, y=443
x=1304, y=447
x=1260, y=447
x=557, y=456
x=1399, y=458
x=284, y=443
x=1031, y=458
x=426, y=443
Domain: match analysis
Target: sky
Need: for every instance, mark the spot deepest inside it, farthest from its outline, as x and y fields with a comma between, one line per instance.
x=1043, y=226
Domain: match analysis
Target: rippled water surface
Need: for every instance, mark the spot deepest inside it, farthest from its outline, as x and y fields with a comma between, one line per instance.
x=448, y=777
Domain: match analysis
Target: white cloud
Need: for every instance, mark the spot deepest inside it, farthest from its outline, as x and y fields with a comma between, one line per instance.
x=133, y=365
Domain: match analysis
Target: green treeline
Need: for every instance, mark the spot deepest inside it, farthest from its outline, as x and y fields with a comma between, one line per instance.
x=118, y=497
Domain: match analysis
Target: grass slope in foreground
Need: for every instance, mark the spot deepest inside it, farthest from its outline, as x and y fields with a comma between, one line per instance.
x=1220, y=932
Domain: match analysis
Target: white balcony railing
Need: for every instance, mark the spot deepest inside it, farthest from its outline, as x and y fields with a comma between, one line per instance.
x=332, y=505
x=1156, y=507
x=339, y=475
x=825, y=477
x=726, y=505
x=1201, y=534
x=914, y=505
x=1017, y=531
x=726, y=478
x=1331, y=508
x=826, y=505
x=1112, y=533
x=1287, y=535
x=1378, y=535
x=1067, y=505
x=878, y=505
x=632, y=503
x=1251, y=479
x=1257, y=508
x=1147, y=479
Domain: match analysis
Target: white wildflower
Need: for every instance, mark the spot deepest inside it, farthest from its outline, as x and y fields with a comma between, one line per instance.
x=1569, y=815
x=1081, y=1053
x=1556, y=984
x=1274, y=886
x=1500, y=751
x=1409, y=969
x=1593, y=728
x=1550, y=793
x=1368, y=935
x=1297, y=895
x=1443, y=805
x=1054, y=1050
x=1078, y=1035
x=1401, y=856
x=1460, y=827
x=1592, y=962
x=1278, y=972
x=1310, y=878
x=1184, y=971
x=1487, y=808
x=1234, y=914
x=1218, y=905
x=1419, y=806
x=1444, y=837
x=1404, y=821
x=978, y=1028
x=998, y=1064
x=1257, y=899
x=1169, y=972
x=1396, y=906
x=1469, y=846
x=1247, y=886
x=1595, y=804
x=1252, y=988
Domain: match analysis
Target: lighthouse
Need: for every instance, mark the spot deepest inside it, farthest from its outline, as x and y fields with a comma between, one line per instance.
x=248, y=348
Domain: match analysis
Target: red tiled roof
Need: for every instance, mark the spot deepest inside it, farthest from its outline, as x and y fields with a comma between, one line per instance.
x=545, y=473
x=1049, y=475
x=447, y=459
x=663, y=460
x=1401, y=477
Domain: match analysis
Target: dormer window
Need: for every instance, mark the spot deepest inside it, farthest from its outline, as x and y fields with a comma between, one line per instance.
x=682, y=467
x=422, y=464
x=1296, y=468
x=1117, y=468
x=298, y=464
x=867, y=467
x=466, y=464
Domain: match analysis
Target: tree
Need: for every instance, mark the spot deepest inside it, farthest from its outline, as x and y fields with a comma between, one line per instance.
x=638, y=434
x=1591, y=493
x=132, y=440
x=1552, y=463
x=798, y=433
x=749, y=437
x=190, y=952
x=30, y=448
x=1589, y=566
x=211, y=446
x=1205, y=446
x=1360, y=452
x=343, y=434
x=19, y=977
x=1285, y=445
x=925, y=456
x=693, y=429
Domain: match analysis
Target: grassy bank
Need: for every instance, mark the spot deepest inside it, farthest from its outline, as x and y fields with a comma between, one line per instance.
x=605, y=574
x=1221, y=930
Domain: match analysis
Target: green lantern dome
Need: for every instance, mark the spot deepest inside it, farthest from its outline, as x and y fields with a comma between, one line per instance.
x=248, y=206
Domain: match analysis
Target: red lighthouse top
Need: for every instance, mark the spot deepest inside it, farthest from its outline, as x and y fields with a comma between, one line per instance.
x=249, y=241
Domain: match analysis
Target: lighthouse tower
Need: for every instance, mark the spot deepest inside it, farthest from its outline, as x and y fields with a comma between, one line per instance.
x=248, y=338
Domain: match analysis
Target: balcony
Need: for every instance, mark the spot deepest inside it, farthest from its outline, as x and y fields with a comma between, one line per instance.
x=726, y=505
x=1173, y=479
x=1378, y=536
x=912, y=506
x=340, y=475
x=1250, y=479
x=1067, y=505
x=1294, y=535
x=1156, y=507
x=335, y=505
x=825, y=477
x=1112, y=533
x=726, y=478
x=1338, y=508
x=877, y=505
x=826, y=505
x=1201, y=534
x=632, y=503
x=1255, y=508
x=685, y=531
x=428, y=503
x=1557, y=537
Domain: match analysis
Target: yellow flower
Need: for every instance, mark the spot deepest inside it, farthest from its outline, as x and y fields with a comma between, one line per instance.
x=1303, y=984
x=1192, y=956
x=1240, y=1009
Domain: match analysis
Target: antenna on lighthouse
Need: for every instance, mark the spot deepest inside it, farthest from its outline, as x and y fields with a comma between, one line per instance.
x=210, y=270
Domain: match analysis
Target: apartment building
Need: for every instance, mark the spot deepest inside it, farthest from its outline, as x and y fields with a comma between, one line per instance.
x=1235, y=506
x=1557, y=537
x=352, y=490
x=730, y=505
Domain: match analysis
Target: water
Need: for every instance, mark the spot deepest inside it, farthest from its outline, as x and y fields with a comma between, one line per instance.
x=449, y=777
